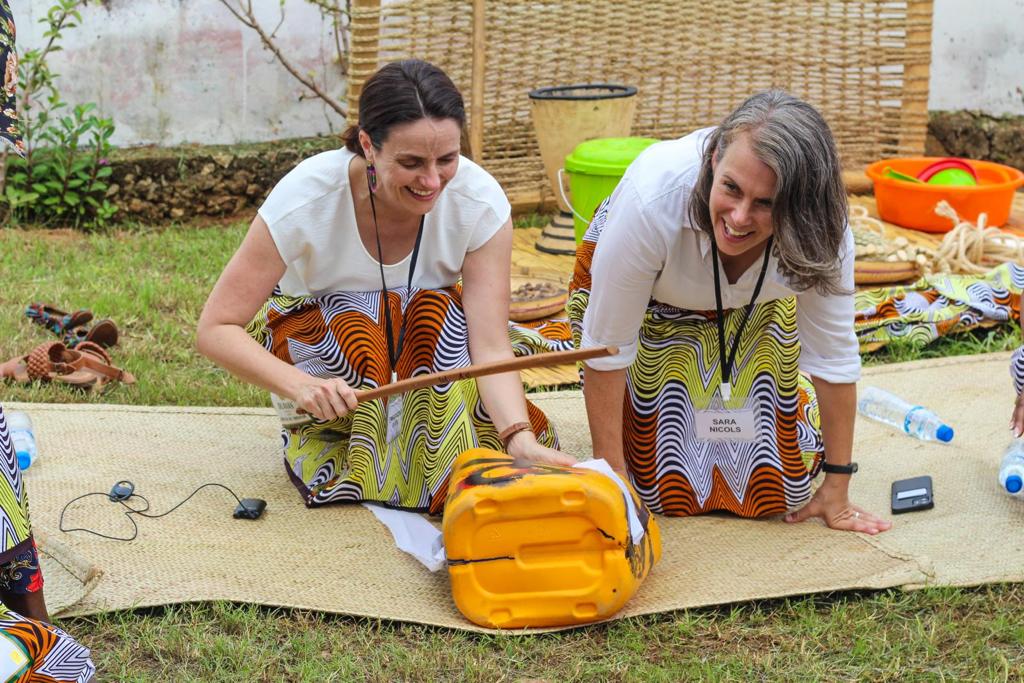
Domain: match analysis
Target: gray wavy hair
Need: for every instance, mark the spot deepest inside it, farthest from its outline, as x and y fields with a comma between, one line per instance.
x=809, y=212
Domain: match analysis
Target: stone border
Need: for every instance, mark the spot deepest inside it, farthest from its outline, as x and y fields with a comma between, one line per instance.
x=976, y=135
x=163, y=184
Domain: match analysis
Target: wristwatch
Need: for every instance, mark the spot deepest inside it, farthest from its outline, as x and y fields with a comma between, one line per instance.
x=839, y=469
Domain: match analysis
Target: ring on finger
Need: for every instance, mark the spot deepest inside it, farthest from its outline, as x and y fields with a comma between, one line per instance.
x=856, y=515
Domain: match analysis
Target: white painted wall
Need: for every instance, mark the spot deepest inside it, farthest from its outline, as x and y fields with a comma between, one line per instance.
x=978, y=56
x=185, y=71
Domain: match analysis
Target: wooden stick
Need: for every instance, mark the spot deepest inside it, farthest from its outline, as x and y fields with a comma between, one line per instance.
x=522, y=363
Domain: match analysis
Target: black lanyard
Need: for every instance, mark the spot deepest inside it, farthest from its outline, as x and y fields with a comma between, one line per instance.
x=394, y=350
x=726, y=368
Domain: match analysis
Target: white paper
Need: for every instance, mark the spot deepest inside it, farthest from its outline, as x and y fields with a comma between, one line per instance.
x=636, y=529
x=413, y=534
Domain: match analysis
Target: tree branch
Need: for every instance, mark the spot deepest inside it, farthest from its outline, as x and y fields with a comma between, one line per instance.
x=247, y=17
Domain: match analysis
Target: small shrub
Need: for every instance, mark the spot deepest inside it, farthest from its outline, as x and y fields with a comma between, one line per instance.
x=62, y=180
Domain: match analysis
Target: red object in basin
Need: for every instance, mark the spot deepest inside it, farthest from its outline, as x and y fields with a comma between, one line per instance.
x=912, y=205
x=945, y=164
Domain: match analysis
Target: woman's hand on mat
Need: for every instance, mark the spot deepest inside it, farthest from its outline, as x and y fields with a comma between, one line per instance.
x=326, y=399
x=832, y=504
x=524, y=446
x=1017, y=421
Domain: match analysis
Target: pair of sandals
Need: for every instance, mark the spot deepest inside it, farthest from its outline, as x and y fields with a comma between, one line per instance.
x=87, y=366
x=73, y=327
x=80, y=359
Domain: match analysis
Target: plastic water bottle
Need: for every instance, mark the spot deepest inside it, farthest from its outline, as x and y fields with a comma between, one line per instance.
x=1011, y=472
x=20, y=425
x=918, y=421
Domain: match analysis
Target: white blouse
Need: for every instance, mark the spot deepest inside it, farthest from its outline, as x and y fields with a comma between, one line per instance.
x=648, y=249
x=312, y=220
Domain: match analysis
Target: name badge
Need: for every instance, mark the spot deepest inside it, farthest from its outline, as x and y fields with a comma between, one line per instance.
x=395, y=404
x=289, y=413
x=726, y=425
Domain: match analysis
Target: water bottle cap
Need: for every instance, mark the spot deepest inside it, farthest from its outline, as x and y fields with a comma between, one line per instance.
x=945, y=433
x=1014, y=483
x=24, y=459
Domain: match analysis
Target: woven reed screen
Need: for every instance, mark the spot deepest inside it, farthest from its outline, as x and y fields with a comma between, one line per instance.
x=863, y=63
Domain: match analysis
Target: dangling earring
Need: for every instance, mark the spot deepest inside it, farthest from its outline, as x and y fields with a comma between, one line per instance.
x=371, y=176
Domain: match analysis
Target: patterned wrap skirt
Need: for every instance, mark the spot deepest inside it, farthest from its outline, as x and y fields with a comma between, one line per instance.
x=676, y=369
x=342, y=334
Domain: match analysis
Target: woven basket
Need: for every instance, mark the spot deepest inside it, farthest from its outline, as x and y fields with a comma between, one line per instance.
x=565, y=116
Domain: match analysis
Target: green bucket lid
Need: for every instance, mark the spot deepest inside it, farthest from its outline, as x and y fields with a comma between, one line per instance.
x=606, y=156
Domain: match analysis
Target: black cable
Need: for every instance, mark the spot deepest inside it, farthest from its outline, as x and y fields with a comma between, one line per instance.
x=133, y=511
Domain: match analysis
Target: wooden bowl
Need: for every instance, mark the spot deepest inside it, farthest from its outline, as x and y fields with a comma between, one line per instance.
x=884, y=272
x=537, y=295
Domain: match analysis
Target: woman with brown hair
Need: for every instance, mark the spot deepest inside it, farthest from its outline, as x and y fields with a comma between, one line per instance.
x=349, y=277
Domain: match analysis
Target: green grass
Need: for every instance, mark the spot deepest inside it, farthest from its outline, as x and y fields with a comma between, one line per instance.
x=532, y=220
x=153, y=284
x=981, y=340
x=934, y=634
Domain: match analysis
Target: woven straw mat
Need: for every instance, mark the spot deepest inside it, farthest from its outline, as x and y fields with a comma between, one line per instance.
x=340, y=559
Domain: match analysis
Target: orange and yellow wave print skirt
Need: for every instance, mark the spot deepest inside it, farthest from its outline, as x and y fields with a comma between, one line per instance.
x=675, y=369
x=342, y=334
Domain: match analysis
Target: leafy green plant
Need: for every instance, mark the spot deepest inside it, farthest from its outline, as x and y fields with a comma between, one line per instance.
x=62, y=180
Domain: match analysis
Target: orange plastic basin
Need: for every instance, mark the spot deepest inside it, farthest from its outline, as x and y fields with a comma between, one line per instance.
x=912, y=205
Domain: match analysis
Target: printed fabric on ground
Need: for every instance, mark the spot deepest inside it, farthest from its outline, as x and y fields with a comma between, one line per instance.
x=342, y=335
x=676, y=369
x=937, y=305
x=34, y=652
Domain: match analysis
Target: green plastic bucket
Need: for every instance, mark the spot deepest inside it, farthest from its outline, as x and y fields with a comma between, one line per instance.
x=595, y=168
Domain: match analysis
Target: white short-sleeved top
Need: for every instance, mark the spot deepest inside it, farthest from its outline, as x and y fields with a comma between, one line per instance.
x=312, y=221
x=649, y=248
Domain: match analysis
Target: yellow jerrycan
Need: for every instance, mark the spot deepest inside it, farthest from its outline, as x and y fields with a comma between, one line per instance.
x=541, y=545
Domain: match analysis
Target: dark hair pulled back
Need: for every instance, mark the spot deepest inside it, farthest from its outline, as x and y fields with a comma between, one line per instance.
x=403, y=92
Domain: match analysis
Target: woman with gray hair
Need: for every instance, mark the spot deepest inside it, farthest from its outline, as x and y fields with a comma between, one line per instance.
x=722, y=268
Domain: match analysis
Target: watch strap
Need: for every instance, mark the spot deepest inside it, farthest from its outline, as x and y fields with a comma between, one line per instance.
x=829, y=468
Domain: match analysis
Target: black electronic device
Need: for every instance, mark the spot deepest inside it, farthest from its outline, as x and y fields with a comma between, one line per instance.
x=912, y=494
x=121, y=491
x=250, y=508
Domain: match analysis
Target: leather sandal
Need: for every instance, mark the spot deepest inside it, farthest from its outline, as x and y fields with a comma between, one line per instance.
x=96, y=361
x=103, y=333
x=48, y=362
